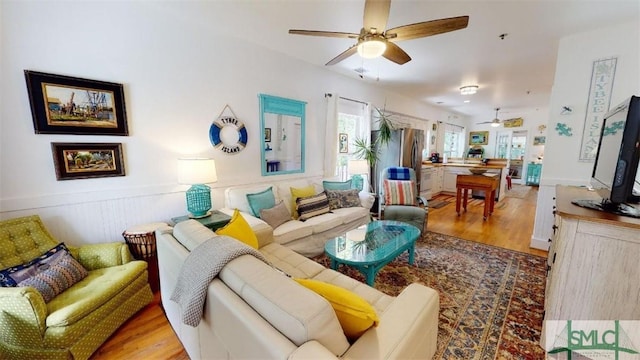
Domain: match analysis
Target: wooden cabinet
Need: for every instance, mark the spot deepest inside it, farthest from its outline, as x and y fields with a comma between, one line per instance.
x=593, y=264
x=438, y=179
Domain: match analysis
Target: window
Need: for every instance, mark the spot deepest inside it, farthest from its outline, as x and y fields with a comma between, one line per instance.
x=453, y=140
x=351, y=125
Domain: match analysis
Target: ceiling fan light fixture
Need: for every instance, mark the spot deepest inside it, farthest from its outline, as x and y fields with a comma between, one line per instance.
x=495, y=123
x=371, y=49
x=469, y=90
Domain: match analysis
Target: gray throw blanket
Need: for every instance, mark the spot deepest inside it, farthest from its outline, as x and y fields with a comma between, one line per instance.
x=201, y=266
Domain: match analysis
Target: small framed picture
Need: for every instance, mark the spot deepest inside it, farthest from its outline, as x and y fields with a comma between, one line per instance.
x=267, y=134
x=478, y=138
x=539, y=140
x=87, y=160
x=68, y=105
x=343, y=143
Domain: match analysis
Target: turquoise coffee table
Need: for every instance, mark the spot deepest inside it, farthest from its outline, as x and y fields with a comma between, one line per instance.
x=370, y=247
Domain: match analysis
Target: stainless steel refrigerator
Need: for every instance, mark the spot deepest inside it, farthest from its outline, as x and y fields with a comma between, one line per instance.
x=404, y=149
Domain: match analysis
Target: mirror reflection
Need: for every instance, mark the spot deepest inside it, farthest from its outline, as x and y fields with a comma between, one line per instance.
x=282, y=124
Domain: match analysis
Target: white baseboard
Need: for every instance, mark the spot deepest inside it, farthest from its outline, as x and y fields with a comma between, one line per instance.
x=539, y=244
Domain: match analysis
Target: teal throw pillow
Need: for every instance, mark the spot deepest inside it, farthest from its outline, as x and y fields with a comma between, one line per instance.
x=262, y=200
x=337, y=185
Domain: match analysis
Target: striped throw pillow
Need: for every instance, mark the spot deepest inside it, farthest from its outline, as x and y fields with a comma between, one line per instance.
x=311, y=206
x=399, y=192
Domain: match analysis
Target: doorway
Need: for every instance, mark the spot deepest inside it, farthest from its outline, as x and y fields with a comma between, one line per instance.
x=512, y=145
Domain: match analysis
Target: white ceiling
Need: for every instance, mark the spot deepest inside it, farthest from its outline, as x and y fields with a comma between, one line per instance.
x=514, y=74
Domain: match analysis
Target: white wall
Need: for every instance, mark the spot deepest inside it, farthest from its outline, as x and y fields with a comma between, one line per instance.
x=179, y=70
x=571, y=87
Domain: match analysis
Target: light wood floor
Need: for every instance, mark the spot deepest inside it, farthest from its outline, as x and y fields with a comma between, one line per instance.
x=148, y=334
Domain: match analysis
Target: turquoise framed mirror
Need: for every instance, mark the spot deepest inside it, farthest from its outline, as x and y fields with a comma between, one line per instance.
x=282, y=145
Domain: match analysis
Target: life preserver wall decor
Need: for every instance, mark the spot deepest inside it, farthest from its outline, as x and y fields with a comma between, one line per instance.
x=227, y=133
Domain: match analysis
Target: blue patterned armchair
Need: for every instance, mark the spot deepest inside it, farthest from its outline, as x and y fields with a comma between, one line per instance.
x=406, y=199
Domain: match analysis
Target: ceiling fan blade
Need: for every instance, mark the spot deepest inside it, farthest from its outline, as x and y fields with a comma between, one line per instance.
x=396, y=54
x=427, y=28
x=376, y=14
x=345, y=54
x=324, y=33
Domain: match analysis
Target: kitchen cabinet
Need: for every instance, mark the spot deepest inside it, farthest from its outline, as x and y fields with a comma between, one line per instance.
x=438, y=179
x=593, y=261
x=426, y=182
x=450, y=176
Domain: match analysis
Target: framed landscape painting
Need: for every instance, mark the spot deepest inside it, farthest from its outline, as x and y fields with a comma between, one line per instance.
x=87, y=160
x=478, y=138
x=68, y=105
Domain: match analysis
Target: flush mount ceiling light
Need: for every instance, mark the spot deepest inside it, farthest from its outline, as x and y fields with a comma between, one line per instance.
x=373, y=48
x=469, y=90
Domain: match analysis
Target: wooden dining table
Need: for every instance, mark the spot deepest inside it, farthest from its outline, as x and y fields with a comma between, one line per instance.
x=487, y=183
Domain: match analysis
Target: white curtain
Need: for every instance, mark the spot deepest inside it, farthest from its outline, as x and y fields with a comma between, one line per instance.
x=331, y=139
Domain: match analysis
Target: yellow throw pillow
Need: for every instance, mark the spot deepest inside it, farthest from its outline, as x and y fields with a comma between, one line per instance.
x=239, y=228
x=355, y=314
x=298, y=193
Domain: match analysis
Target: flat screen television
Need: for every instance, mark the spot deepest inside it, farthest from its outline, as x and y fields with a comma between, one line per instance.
x=615, y=173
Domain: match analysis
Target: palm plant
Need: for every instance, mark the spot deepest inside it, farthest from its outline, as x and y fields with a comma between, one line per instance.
x=369, y=151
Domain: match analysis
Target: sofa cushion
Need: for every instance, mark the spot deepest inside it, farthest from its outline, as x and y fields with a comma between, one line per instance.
x=311, y=206
x=348, y=215
x=336, y=185
x=276, y=215
x=299, y=314
x=296, y=193
x=399, y=192
x=355, y=314
x=261, y=200
x=56, y=276
x=190, y=233
x=239, y=229
x=292, y=230
x=324, y=222
x=93, y=291
x=343, y=198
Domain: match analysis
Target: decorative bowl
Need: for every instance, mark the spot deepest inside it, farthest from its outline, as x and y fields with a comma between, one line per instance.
x=477, y=171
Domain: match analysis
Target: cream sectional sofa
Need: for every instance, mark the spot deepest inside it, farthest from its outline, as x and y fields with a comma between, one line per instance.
x=254, y=311
x=308, y=237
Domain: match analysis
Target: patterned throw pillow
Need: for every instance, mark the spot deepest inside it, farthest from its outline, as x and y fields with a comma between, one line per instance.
x=336, y=185
x=298, y=193
x=399, y=192
x=276, y=216
x=339, y=199
x=56, y=276
x=10, y=277
x=311, y=206
x=398, y=173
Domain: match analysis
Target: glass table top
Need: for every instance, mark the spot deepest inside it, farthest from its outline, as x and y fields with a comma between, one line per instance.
x=371, y=243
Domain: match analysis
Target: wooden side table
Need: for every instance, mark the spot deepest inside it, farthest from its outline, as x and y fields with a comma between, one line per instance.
x=141, y=240
x=489, y=184
x=214, y=221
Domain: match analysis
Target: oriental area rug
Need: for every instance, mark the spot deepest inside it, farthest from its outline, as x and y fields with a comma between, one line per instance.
x=491, y=299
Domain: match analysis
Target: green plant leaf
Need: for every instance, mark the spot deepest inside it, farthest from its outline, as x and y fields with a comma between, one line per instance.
x=364, y=150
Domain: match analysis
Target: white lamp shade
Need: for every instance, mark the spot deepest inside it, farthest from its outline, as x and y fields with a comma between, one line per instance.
x=358, y=167
x=196, y=171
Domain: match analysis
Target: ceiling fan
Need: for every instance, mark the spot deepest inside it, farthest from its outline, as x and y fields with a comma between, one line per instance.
x=495, y=122
x=374, y=41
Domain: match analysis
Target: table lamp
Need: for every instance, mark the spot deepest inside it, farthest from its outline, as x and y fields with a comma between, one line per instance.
x=357, y=168
x=196, y=172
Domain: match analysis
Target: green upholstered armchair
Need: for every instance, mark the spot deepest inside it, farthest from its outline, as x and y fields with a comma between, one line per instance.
x=410, y=214
x=77, y=321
